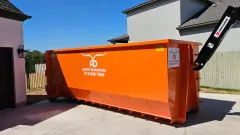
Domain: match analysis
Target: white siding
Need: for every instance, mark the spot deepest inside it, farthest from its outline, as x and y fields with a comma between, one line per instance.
x=11, y=35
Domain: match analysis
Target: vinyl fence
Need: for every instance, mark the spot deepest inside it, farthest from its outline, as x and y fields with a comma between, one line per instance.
x=222, y=71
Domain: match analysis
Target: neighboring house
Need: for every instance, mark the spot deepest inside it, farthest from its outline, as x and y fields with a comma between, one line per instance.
x=12, y=68
x=192, y=20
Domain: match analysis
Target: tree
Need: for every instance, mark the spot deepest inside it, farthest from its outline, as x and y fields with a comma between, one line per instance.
x=33, y=57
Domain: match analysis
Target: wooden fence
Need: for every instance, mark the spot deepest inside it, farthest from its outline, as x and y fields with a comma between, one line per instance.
x=37, y=80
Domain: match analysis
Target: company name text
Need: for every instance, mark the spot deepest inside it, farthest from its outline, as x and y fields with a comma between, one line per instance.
x=94, y=72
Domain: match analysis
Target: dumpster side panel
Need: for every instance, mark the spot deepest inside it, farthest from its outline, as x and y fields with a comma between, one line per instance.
x=135, y=73
x=56, y=83
x=132, y=79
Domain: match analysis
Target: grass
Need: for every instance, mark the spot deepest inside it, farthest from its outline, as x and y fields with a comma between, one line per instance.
x=205, y=89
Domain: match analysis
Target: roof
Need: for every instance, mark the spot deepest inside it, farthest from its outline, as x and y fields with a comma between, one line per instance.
x=140, y=5
x=148, y=2
x=121, y=39
x=210, y=15
x=10, y=11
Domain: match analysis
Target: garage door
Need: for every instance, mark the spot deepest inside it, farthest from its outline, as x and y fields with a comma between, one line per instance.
x=7, y=95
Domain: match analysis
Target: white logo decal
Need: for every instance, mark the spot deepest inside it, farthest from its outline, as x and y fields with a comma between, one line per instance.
x=222, y=26
x=93, y=62
x=173, y=57
x=210, y=45
x=93, y=70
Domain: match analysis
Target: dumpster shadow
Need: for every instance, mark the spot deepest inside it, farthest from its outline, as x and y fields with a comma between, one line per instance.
x=33, y=114
x=210, y=110
x=32, y=99
x=132, y=114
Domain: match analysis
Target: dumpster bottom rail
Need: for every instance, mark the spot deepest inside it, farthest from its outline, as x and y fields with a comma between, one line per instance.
x=157, y=109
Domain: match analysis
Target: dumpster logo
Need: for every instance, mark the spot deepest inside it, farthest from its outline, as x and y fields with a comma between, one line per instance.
x=93, y=62
x=93, y=70
x=222, y=26
x=173, y=57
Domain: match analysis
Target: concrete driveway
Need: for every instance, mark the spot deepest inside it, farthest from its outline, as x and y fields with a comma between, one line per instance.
x=219, y=114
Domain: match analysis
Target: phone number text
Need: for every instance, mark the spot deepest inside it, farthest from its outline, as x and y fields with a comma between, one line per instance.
x=94, y=74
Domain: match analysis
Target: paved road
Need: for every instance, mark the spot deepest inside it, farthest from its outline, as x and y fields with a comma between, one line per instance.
x=219, y=114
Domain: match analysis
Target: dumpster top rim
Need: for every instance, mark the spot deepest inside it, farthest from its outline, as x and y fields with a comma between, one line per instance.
x=150, y=42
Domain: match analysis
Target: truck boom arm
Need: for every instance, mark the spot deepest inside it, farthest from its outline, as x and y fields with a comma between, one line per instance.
x=229, y=18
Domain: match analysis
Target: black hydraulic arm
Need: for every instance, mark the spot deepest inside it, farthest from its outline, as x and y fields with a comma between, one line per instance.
x=230, y=16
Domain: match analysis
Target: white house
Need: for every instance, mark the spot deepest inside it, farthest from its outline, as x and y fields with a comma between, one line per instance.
x=12, y=67
x=192, y=20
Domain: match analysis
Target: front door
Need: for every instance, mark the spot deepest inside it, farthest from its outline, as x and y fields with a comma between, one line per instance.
x=7, y=92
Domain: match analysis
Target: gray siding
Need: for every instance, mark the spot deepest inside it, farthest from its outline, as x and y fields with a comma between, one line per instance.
x=156, y=21
x=160, y=20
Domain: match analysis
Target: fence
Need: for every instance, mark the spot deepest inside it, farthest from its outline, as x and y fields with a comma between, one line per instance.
x=37, y=79
x=222, y=71
x=40, y=68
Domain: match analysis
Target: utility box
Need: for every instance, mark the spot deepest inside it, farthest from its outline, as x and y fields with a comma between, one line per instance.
x=153, y=77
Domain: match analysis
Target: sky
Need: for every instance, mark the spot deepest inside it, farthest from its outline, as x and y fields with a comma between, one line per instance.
x=57, y=24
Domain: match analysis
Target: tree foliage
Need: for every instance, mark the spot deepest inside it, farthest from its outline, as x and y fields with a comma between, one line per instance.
x=33, y=57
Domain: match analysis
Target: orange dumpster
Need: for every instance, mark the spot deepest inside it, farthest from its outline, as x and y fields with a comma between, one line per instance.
x=153, y=77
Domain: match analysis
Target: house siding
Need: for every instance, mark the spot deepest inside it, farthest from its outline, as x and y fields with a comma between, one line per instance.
x=11, y=35
x=155, y=21
x=160, y=20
